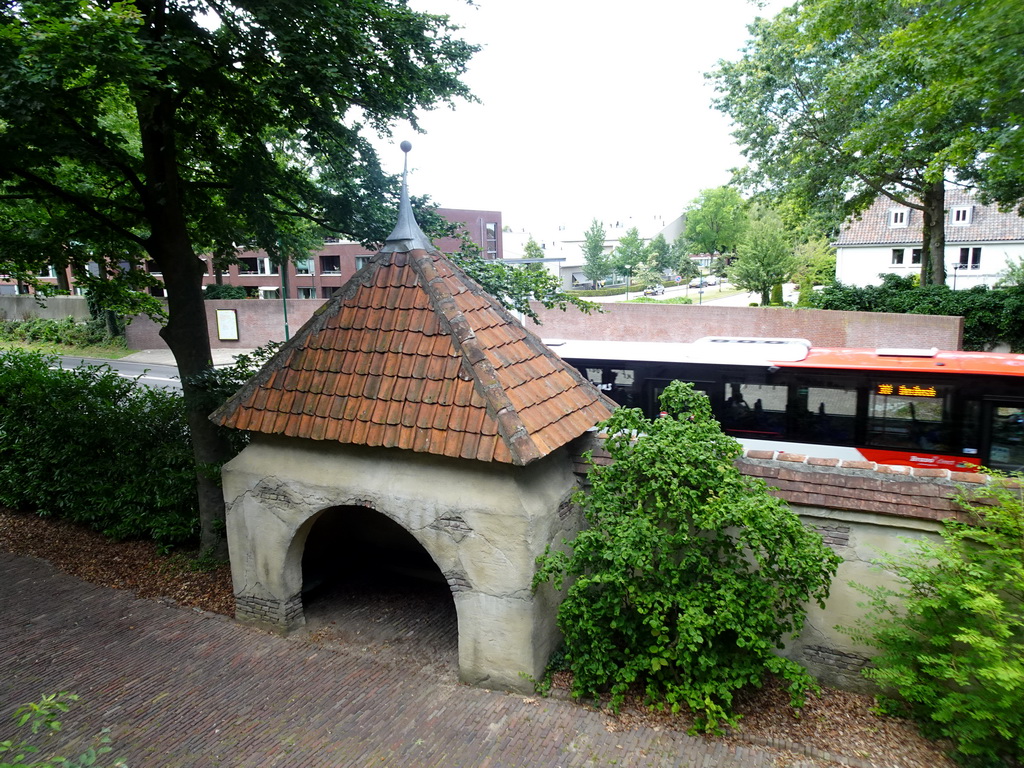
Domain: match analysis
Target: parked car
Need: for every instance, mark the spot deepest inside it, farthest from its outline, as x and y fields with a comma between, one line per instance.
x=710, y=280
x=698, y=282
x=654, y=290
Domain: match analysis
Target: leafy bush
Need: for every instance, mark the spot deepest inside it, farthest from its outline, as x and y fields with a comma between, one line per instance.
x=952, y=638
x=67, y=332
x=42, y=716
x=98, y=449
x=689, y=576
x=224, y=291
x=990, y=314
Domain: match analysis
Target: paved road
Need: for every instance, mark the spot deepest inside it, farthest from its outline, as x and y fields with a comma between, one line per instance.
x=183, y=688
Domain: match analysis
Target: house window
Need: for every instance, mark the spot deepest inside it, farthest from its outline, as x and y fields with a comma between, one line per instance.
x=897, y=257
x=267, y=267
x=491, y=240
x=970, y=257
x=247, y=264
x=270, y=293
x=362, y=261
x=915, y=256
x=898, y=217
x=961, y=216
x=326, y=292
x=330, y=265
x=304, y=267
x=152, y=268
x=306, y=292
x=48, y=271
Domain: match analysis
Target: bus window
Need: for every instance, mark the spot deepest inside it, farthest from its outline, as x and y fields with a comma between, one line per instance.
x=753, y=410
x=822, y=415
x=620, y=384
x=1007, y=450
x=909, y=416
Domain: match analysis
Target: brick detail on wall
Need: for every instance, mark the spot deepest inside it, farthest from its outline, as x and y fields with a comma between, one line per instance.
x=834, y=536
x=844, y=664
x=860, y=486
x=269, y=611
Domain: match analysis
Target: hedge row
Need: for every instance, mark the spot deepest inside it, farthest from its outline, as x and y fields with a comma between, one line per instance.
x=90, y=446
x=66, y=331
x=991, y=315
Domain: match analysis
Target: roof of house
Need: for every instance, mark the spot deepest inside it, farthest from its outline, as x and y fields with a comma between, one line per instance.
x=987, y=224
x=411, y=353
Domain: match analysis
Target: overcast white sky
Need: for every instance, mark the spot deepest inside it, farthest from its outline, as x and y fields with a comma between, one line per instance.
x=589, y=109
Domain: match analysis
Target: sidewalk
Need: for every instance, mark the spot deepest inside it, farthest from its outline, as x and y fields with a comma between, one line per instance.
x=221, y=357
x=182, y=688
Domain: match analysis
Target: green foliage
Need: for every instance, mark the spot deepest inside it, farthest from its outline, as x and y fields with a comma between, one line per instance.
x=991, y=315
x=515, y=288
x=816, y=260
x=224, y=291
x=951, y=638
x=596, y=263
x=764, y=256
x=689, y=576
x=42, y=716
x=93, y=447
x=630, y=251
x=715, y=221
x=66, y=332
x=776, y=298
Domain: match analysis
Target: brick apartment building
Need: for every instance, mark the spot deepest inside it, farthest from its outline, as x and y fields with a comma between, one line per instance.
x=318, y=276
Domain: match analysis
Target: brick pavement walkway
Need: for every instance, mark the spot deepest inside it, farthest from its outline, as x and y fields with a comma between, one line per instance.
x=183, y=688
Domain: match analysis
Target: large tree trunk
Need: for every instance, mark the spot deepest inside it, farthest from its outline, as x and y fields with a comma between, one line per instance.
x=186, y=332
x=187, y=335
x=933, y=246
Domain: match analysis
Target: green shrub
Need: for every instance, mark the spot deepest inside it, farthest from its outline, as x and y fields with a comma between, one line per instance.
x=90, y=446
x=991, y=315
x=67, y=332
x=689, y=576
x=224, y=291
x=42, y=716
x=951, y=639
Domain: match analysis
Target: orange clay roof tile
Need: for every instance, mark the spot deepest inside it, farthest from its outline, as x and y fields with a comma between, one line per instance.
x=412, y=354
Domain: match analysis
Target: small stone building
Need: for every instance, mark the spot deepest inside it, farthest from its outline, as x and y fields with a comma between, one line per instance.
x=412, y=395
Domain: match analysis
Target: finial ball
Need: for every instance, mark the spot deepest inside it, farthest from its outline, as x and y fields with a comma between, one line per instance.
x=406, y=146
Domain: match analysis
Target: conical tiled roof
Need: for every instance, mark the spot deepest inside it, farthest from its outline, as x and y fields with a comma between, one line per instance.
x=411, y=353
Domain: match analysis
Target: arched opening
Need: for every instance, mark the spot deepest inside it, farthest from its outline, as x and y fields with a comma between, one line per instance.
x=367, y=581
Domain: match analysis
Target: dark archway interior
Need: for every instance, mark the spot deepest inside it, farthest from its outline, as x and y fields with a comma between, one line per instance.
x=368, y=582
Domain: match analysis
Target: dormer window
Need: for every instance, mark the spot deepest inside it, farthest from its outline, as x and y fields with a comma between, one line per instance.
x=898, y=217
x=961, y=215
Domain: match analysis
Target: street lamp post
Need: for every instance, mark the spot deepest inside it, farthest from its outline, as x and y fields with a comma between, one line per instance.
x=628, y=268
x=956, y=271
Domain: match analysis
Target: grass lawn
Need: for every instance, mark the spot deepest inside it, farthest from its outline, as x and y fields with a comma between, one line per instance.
x=99, y=351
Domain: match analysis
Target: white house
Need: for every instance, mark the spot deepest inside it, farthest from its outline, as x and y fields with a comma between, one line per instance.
x=980, y=240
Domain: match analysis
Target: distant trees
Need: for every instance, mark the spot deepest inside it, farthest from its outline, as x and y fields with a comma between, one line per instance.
x=715, y=221
x=836, y=103
x=630, y=252
x=596, y=263
x=764, y=256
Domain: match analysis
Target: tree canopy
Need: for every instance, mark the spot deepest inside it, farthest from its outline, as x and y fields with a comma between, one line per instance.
x=819, y=104
x=764, y=256
x=596, y=263
x=715, y=221
x=159, y=130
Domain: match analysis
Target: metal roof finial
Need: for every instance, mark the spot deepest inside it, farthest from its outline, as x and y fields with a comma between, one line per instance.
x=407, y=235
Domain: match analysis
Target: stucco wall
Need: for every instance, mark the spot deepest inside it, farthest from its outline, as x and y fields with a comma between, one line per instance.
x=483, y=524
x=53, y=308
x=862, y=265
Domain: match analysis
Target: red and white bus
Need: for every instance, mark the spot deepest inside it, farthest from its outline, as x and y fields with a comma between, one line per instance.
x=911, y=407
